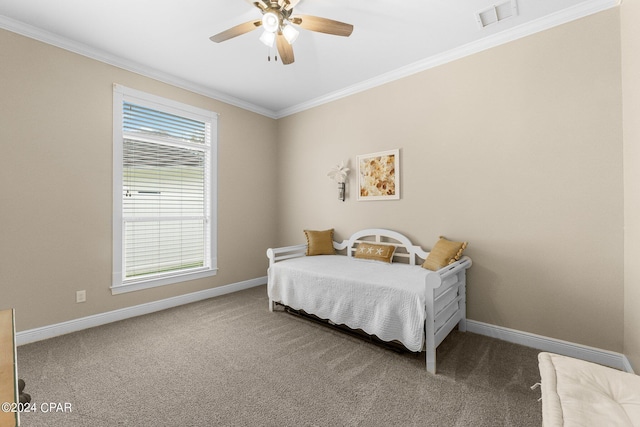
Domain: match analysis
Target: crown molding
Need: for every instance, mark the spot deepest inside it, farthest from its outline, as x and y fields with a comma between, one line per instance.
x=84, y=50
x=567, y=15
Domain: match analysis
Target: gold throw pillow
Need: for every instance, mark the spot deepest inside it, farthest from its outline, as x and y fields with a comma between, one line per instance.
x=382, y=253
x=320, y=242
x=444, y=252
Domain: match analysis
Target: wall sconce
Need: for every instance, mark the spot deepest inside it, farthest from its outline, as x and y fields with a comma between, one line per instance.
x=339, y=175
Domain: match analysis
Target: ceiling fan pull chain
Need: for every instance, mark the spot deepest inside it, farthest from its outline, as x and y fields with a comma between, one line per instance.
x=275, y=56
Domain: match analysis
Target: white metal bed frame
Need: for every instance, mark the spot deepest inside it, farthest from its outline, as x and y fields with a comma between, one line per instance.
x=451, y=278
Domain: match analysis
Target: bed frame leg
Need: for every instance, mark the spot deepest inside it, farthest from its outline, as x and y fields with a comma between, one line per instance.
x=462, y=291
x=271, y=305
x=431, y=359
x=430, y=343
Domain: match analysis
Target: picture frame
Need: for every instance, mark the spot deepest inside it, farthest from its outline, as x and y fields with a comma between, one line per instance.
x=379, y=175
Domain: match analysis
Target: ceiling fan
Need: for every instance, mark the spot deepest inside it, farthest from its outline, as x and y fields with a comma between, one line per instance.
x=278, y=23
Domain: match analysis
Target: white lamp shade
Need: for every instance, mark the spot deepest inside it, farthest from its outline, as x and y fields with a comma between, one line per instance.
x=270, y=22
x=268, y=38
x=290, y=33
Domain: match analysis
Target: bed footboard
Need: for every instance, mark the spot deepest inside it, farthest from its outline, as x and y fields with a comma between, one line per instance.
x=280, y=254
x=447, y=300
x=286, y=252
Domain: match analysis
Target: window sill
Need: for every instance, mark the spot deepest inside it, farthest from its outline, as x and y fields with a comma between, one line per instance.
x=154, y=283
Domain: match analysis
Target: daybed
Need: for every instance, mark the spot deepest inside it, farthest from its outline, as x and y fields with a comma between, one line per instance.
x=395, y=301
x=580, y=393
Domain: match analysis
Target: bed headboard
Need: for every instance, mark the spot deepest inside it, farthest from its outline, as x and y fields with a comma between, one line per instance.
x=406, y=252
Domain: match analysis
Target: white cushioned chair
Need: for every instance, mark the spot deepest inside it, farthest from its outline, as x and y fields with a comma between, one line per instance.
x=579, y=393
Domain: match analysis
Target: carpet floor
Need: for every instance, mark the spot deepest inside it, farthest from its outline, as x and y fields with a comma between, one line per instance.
x=228, y=361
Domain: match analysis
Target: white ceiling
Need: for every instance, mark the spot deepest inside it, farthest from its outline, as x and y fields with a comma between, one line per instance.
x=169, y=40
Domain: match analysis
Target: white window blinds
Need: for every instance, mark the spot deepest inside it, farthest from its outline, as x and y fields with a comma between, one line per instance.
x=165, y=193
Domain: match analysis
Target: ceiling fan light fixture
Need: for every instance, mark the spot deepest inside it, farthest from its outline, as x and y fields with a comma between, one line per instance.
x=268, y=38
x=280, y=27
x=270, y=22
x=290, y=33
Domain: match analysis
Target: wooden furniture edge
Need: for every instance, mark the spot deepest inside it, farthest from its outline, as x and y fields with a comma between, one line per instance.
x=9, y=415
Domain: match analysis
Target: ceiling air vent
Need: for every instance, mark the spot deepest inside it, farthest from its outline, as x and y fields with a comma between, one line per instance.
x=497, y=13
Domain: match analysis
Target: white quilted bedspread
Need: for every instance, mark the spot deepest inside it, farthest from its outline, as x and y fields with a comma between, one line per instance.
x=386, y=300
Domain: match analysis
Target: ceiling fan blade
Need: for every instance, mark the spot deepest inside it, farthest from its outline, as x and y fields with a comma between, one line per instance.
x=323, y=25
x=260, y=5
x=238, y=30
x=290, y=4
x=284, y=49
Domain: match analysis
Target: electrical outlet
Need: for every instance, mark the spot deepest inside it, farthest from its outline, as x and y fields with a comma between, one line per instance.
x=81, y=296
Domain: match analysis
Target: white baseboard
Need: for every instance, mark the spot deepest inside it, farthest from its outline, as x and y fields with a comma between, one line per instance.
x=552, y=345
x=591, y=354
x=45, y=332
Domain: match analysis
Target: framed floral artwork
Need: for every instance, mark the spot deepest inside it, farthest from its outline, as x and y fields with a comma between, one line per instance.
x=379, y=175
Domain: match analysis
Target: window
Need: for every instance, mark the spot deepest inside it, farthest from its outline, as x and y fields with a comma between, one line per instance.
x=164, y=226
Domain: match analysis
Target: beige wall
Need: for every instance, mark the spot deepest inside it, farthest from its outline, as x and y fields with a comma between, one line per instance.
x=517, y=149
x=56, y=180
x=630, y=14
